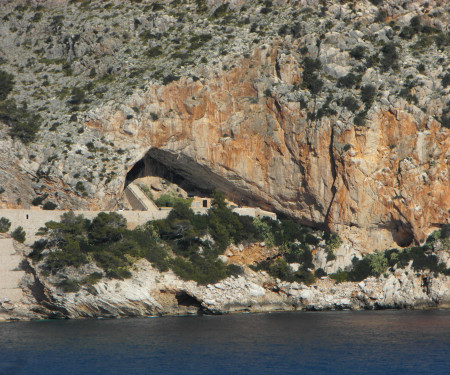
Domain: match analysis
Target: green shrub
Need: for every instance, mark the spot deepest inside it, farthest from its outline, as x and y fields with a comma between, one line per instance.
x=320, y=273
x=445, y=80
x=6, y=84
x=92, y=278
x=49, y=206
x=368, y=93
x=80, y=187
x=305, y=276
x=358, y=52
x=234, y=270
x=350, y=103
x=120, y=273
x=200, y=269
x=264, y=229
x=170, y=78
x=332, y=241
x=19, y=234
x=381, y=16
x=5, y=224
x=340, y=276
x=349, y=80
x=23, y=124
x=69, y=286
x=445, y=121
x=107, y=228
x=198, y=41
x=154, y=52
x=78, y=96
x=220, y=11
x=360, y=118
x=167, y=200
x=282, y=270
x=390, y=57
x=310, y=78
x=37, y=201
x=299, y=253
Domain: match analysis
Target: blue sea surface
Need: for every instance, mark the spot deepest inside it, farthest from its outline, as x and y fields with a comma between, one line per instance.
x=365, y=342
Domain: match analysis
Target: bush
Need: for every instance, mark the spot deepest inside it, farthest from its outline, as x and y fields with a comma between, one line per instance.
x=445, y=121
x=154, y=52
x=5, y=224
x=340, y=276
x=332, y=241
x=167, y=200
x=357, y=52
x=320, y=273
x=310, y=78
x=78, y=96
x=445, y=80
x=299, y=253
x=368, y=93
x=349, y=80
x=92, y=278
x=107, y=228
x=200, y=269
x=38, y=200
x=49, y=206
x=220, y=11
x=170, y=78
x=350, y=103
x=390, y=57
x=6, y=84
x=265, y=231
x=19, y=234
x=360, y=118
x=119, y=273
x=305, y=276
x=23, y=124
x=69, y=286
x=234, y=270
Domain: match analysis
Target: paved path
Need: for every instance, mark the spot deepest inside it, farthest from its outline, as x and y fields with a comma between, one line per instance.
x=9, y=275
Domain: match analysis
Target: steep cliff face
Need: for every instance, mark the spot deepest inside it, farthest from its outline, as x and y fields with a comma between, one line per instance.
x=384, y=183
x=269, y=102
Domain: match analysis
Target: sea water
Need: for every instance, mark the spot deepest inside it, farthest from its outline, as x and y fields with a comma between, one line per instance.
x=365, y=342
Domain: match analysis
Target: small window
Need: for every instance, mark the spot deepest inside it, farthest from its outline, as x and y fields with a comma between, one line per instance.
x=205, y=203
x=27, y=216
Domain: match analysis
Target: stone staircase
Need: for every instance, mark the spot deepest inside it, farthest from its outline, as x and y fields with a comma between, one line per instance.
x=138, y=199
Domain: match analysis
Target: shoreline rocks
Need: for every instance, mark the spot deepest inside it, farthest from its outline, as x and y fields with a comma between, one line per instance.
x=152, y=293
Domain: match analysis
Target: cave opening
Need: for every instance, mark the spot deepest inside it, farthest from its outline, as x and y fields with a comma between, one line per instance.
x=191, y=179
x=402, y=234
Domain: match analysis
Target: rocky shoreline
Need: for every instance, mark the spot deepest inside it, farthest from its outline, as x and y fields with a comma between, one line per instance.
x=152, y=293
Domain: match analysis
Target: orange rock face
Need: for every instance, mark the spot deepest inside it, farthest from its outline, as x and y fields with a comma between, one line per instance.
x=383, y=184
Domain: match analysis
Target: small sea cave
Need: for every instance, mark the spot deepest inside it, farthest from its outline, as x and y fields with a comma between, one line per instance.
x=187, y=177
x=186, y=300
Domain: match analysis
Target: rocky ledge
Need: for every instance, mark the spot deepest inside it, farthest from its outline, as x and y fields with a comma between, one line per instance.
x=150, y=292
